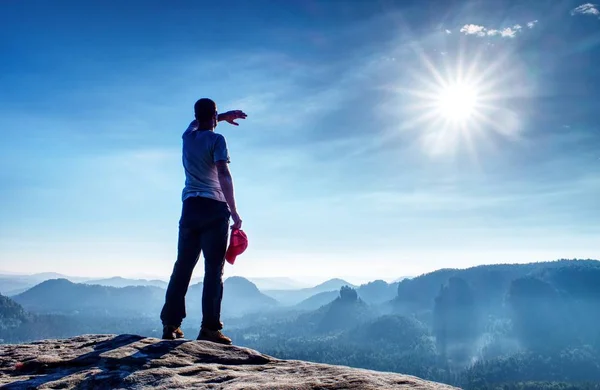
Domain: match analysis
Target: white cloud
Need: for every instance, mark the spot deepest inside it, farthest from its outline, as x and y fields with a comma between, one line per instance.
x=448, y=32
x=532, y=23
x=481, y=31
x=473, y=29
x=586, y=9
x=509, y=32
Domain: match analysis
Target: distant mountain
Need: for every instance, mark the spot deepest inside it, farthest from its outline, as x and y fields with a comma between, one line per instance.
x=378, y=291
x=12, y=286
x=16, y=284
x=43, y=276
x=294, y=297
x=375, y=292
x=490, y=283
x=118, y=281
x=65, y=297
x=277, y=283
x=46, y=276
x=345, y=312
x=332, y=284
x=60, y=296
x=240, y=296
x=317, y=300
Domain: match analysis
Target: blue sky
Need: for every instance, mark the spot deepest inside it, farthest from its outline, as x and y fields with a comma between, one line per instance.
x=345, y=166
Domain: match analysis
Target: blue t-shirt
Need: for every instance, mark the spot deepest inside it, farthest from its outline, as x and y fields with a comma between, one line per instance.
x=201, y=150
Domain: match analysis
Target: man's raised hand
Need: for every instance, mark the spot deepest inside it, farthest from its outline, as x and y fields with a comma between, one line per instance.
x=232, y=116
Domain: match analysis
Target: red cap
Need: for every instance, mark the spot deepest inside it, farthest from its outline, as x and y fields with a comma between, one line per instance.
x=237, y=245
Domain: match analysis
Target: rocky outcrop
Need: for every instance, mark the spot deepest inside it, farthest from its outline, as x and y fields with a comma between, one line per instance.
x=128, y=361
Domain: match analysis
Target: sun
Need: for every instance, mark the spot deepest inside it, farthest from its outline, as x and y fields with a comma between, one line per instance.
x=457, y=102
x=457, y=106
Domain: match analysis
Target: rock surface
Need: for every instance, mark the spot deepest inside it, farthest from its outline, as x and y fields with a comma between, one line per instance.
x=135, y=362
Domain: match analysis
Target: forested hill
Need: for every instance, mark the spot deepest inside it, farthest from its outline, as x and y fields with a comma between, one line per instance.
x=491, y=282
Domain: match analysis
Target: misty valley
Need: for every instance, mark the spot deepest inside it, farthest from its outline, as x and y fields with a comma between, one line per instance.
x=506, y=326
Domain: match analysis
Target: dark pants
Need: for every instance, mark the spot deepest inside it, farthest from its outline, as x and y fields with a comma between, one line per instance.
x=203, y=227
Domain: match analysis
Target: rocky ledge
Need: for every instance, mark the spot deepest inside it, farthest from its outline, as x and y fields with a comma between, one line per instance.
x=135, y=362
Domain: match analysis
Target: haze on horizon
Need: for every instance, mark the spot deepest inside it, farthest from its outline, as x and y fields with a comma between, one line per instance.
x=382, y=140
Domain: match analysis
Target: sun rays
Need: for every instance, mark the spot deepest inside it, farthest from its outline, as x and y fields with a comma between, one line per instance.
x=456, y=105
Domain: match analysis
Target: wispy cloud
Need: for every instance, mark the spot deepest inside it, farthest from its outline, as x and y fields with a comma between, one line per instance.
x=586, y=9
x=506, y=32
x=473, y=29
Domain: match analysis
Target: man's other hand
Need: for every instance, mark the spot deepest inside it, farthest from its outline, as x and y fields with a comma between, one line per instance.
x=237, y=220
x=232, y=116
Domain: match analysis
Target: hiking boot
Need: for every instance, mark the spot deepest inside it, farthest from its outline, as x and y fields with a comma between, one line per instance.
x=172, y=332
x=216, y=336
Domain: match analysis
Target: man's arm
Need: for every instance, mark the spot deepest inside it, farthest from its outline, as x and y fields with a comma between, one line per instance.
x=232, y=116
x=229, y=117
x=226, y=182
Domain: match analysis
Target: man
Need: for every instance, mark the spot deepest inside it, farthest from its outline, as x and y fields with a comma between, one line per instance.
x=208, y=203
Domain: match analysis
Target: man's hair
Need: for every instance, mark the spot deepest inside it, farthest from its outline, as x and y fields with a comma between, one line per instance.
x=204, y=110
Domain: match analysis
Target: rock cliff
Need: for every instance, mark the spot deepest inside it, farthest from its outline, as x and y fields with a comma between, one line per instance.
x=128, y=361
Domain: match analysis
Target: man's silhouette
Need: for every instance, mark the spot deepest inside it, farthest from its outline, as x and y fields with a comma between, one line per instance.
x=208, y=203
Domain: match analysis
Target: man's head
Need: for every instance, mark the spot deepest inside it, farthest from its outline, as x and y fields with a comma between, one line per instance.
x=205, y=111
